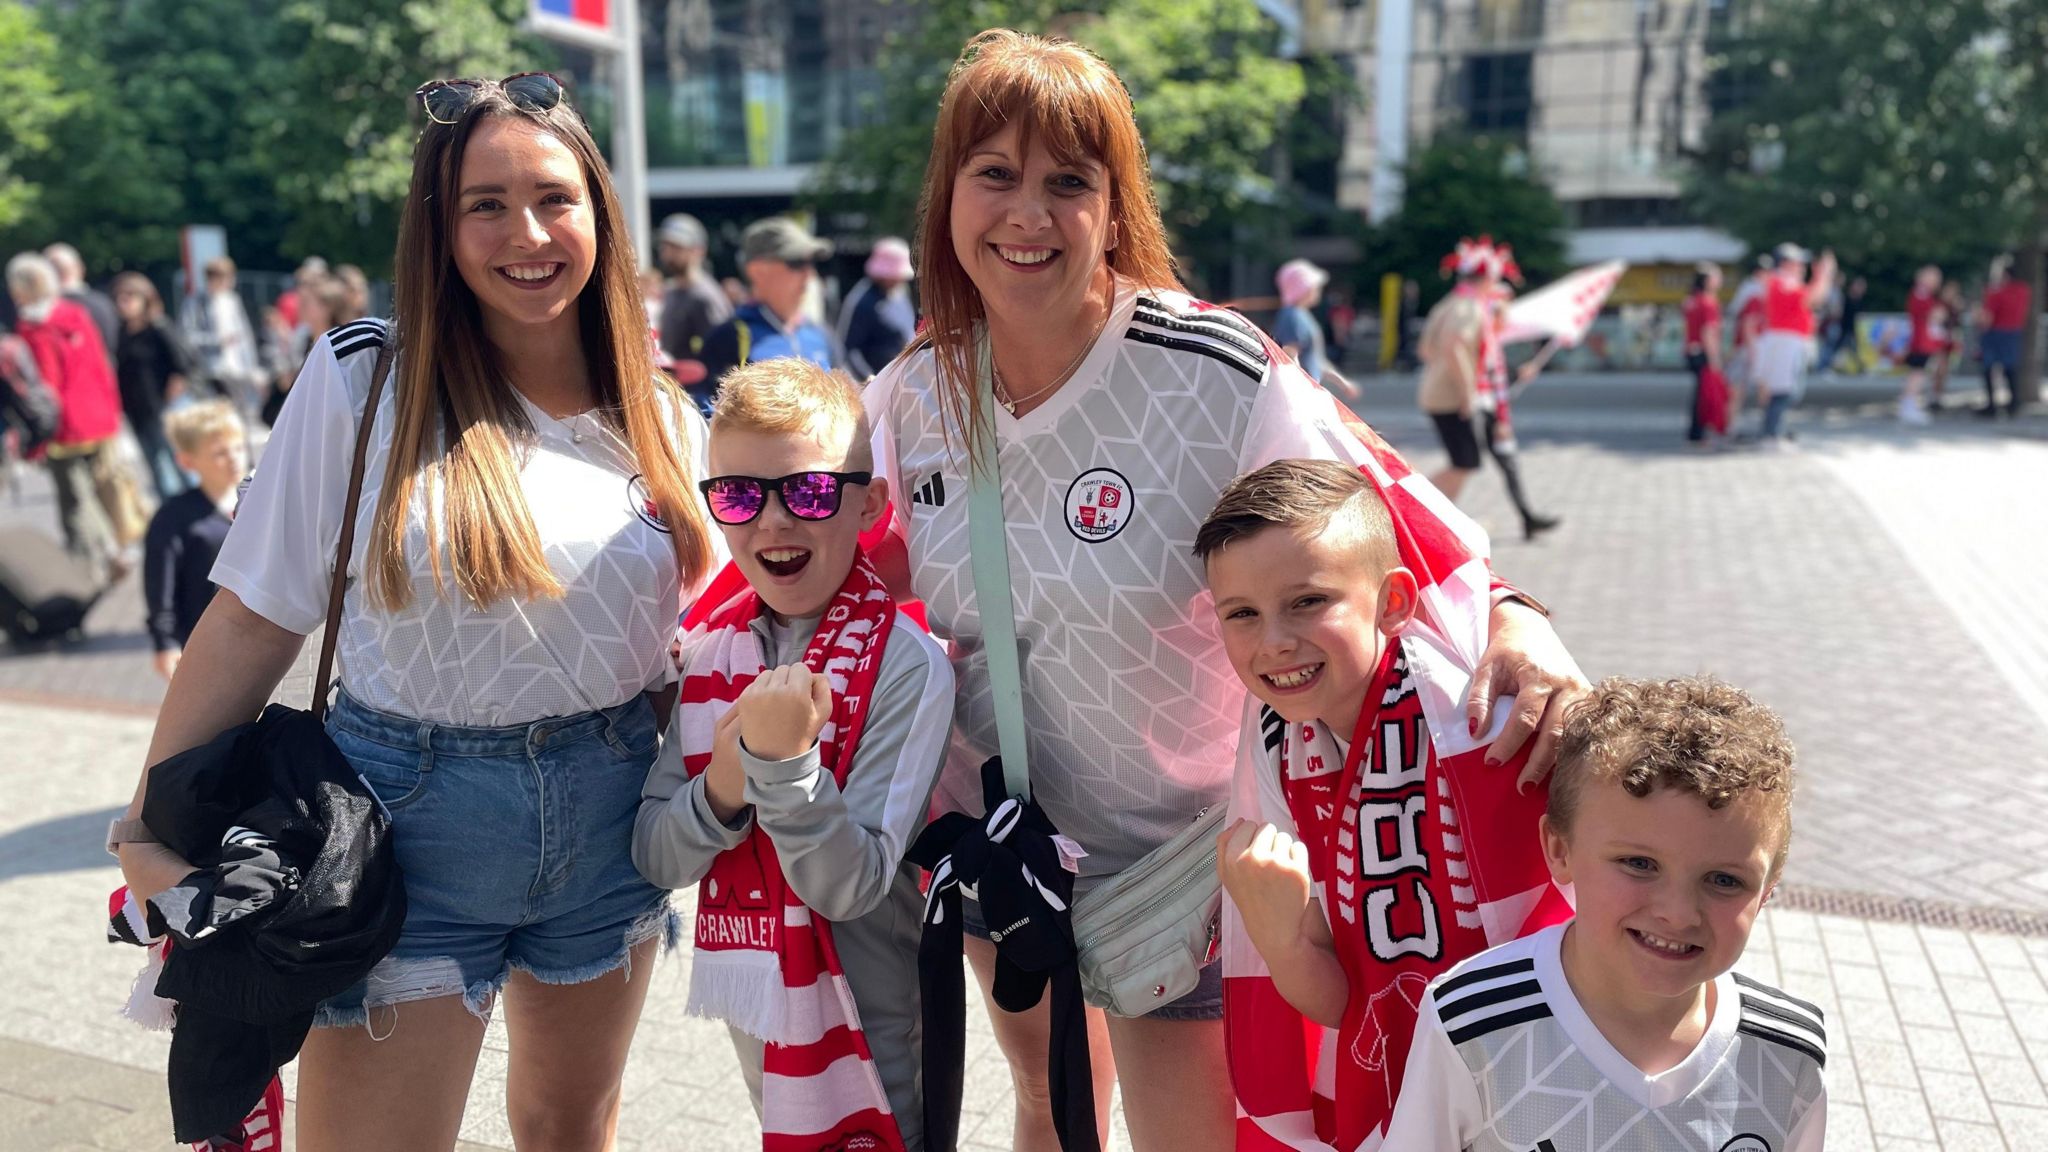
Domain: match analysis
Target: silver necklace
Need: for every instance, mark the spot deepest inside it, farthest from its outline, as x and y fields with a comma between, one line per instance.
x=1010, y=402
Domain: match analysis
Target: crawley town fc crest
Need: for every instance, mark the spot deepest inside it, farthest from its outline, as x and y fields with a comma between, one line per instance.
x=1099, y=504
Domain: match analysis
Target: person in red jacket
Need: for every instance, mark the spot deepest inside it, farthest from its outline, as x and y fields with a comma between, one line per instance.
x=2007, y=309
x=72, y=358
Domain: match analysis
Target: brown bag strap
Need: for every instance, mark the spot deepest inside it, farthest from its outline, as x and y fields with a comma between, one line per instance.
x=338, y=585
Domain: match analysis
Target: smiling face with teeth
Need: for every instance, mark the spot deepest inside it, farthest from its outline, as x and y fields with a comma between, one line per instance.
x=525, y=239
x=796, y=565
x=1031, y=231
x=1305, y=615
x=1666, y=890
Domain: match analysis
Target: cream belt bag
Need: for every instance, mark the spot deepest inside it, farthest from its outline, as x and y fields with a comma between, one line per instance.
x=1145, y=934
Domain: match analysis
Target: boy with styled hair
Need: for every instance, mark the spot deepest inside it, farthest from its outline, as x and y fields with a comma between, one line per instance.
x=1373, y=847
x=812, y=720
x=185, y=535
x=1670, y=815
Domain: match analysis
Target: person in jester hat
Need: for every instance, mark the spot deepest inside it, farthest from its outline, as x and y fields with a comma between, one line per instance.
x=1465, y=374
x=1372, y=846
x=810, y=727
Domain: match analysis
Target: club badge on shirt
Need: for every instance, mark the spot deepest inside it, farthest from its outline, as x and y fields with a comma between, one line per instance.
x=1099, y=503
x=642, y=502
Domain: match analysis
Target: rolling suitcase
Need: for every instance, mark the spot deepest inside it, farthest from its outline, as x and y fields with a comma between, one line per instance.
x=45, y=591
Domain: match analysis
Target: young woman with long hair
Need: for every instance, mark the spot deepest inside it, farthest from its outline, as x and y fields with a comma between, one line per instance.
x=154, y=368
x=528, y=537
x=1122, y=407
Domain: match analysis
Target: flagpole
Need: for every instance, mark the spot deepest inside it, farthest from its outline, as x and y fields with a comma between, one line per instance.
x=629, y=131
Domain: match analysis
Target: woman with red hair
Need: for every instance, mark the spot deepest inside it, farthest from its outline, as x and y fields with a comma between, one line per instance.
x=1120, y=406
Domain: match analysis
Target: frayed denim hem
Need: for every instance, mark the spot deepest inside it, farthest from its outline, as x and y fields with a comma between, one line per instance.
x=660, y=920
x=394, y=982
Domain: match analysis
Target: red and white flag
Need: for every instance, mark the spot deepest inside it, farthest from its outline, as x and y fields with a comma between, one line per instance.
x=1564, y=309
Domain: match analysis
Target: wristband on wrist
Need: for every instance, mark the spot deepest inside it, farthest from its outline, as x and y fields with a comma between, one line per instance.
x=121, y=830
x=1507, y=594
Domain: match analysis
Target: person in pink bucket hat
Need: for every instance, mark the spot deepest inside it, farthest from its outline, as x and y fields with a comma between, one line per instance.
x=1295, y=328
x=878, y=318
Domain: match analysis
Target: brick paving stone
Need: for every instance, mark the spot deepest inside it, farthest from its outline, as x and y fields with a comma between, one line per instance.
x=1780, y=574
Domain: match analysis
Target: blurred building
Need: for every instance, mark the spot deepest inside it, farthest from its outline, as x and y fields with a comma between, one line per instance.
x=1606, y=97
x=743, y=98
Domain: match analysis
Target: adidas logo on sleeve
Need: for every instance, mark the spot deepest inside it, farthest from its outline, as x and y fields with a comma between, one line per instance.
x=932, y=491
x=1506, y=1060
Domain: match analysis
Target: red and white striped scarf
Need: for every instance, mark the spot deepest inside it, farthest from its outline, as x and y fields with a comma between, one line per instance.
x=1455, y=865
x=764, y=962
x=1492, y=361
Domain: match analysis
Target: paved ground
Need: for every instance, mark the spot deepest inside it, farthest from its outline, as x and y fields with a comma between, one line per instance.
x=1881, y=589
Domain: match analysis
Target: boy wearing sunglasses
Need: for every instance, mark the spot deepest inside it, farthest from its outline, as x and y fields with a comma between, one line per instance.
x=810, y=726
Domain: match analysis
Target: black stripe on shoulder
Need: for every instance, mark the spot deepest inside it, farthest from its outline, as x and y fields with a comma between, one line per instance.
x=1272, y=726
x=1764, y=1012
x=362, y=323
x=1218, y=325
x=1199, y=347
x=1486, y=998
x=1753, y=1027
x=1766, y=989
x=1479, y=975
x=1223, y=316
x=350, y=339
x=1480, y=1028
x=348, y=350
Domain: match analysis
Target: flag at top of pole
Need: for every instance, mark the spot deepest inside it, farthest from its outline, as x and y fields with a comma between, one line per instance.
x=589, y=23
x=611, y=27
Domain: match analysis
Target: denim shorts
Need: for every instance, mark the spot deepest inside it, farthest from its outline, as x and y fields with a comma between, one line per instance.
x=1202, y=1002
x=516, y=845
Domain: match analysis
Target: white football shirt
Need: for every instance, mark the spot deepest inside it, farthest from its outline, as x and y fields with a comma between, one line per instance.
x=1505, y=1060
x=441, y=658
x=1130, y=701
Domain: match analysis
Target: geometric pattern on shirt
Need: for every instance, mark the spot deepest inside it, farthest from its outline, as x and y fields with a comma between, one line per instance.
x=439, y=658
x=1536, y=1085
x=1177, y=399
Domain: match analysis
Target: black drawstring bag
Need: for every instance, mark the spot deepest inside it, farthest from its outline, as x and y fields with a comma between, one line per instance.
x=1010, y=861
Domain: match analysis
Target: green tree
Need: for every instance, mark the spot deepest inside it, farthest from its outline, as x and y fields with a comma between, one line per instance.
x=1895, y=132
x=1462, y=186
x=37, y=101
x=340, y=138
x=289, y=124
x=1211, y=96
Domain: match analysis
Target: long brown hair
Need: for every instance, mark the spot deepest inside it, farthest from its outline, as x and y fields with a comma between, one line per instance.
x=450, y=378
x=1052, y=89
x=138, y=283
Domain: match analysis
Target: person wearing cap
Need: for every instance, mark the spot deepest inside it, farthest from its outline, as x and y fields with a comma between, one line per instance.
x=878, y=319
x=693, y=304
x=780, y=259
x=1785, y=347
x=1294, y=326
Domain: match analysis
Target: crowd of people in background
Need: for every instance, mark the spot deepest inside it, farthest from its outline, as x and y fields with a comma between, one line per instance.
x=96, y=380
x=141, y=419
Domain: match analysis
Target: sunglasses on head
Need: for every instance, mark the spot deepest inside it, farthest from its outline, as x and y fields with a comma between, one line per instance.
x=807, y=495
x=446, y=100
